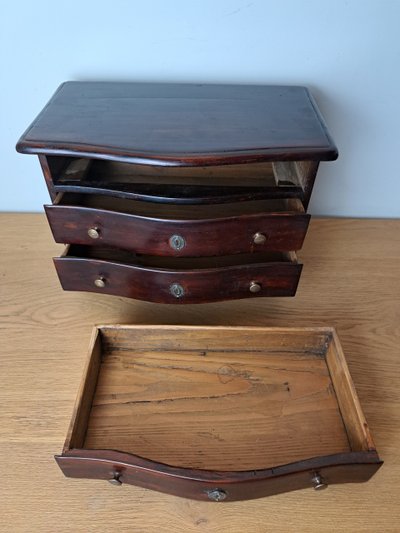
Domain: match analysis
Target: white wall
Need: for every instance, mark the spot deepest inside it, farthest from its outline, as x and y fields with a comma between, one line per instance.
x=346, y=51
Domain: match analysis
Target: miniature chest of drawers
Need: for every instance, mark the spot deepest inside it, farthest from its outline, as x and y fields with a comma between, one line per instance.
x=189, y=194
x=179, y=193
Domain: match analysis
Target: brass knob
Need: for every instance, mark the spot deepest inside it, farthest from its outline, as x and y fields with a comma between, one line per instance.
x=94, y=233
x=216, y=495
x=254, y=287
x=177, y=242
x=115, y=479
x=318, y=482
x=259, y=238
x=177, y=290
x=100, y=283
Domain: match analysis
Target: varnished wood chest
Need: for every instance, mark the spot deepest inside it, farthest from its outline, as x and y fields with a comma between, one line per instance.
x=179, y=193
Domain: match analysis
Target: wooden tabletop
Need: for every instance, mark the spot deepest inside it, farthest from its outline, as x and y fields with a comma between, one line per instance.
x=180, y=123
x=351, y=280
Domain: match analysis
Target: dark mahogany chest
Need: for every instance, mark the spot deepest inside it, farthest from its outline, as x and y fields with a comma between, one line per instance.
x=179, y=193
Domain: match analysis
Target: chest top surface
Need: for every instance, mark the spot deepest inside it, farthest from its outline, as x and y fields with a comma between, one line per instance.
x=180, y=124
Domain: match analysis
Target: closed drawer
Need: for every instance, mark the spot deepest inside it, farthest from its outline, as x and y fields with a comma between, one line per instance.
x=183, y=280
x=181, y=231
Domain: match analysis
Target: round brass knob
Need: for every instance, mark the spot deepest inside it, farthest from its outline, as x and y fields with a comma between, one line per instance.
x=216, y=495
x=254, y=287
x=318, y=482
x=177, y=290
x=100, y=283
x=94, y=233
x=115, y=480
x=259, y=238
x=177, y=242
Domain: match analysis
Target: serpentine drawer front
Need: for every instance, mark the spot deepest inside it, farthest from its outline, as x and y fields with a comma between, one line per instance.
x=218, y=413
x=180, y=171
x=158, y=229
x=168, y=280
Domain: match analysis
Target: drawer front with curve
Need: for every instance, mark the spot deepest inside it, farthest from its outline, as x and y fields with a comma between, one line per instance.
x=182, y=231
x=120, y=468
x=197, y=281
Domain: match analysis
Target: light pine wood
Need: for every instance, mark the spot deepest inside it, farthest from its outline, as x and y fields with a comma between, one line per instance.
x=80, y=417
x=351, y=281
x=353, y=417
x=309, y=341
x=237, y=407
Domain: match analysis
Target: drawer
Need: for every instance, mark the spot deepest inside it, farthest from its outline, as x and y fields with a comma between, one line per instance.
x=180, y=230
x=181, y=280
x=218, y=413
x=120, y=468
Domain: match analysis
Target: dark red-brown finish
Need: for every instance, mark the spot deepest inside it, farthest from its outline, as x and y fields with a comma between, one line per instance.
x=352, y=467
x=48, y=176
x=118, y=140
x=180, y=125
x=199, y=285
x=221, y=236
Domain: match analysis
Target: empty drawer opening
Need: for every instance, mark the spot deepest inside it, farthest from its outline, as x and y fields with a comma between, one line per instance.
x=179, y=212
x=187, y=184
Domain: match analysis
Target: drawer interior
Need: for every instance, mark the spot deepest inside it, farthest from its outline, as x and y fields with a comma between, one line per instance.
x=219, y=398
x=193, y=184
x=181, y=263
x=179, y=212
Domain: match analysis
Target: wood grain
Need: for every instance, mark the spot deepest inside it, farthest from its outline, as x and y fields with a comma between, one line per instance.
x=203, y=279
x=350, y=467
x=147, y=228
x=83, y=405
x=216, y=415
x=351, y=281
x=240, y=409
x=350, y=408
x=180, y=124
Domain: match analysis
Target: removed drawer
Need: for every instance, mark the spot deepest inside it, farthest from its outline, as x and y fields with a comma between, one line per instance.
x=218, y=413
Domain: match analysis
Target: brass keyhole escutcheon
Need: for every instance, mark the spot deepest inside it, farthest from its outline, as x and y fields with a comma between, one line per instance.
x=177, y=290
x=177, y=242
x=216, y=495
